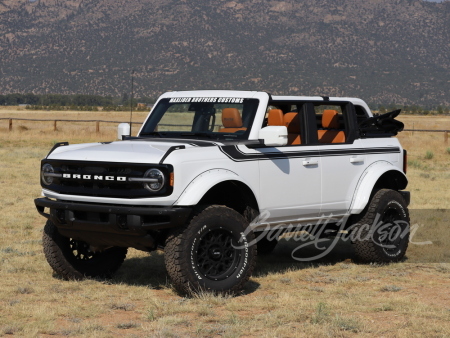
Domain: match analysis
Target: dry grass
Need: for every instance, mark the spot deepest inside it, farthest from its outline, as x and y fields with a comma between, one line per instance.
x=332, y=297
x=428, y=176
x=73, y=131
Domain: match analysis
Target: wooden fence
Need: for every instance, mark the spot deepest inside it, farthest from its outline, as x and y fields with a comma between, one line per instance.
x=97, y=125
x=55, y=122
x=431, y=131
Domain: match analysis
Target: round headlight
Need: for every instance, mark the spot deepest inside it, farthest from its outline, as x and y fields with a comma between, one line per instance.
x=157, y=180
x=46, y=170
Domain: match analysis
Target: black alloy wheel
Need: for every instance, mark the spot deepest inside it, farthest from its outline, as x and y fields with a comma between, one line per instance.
x=216, y=256
x=211, y=253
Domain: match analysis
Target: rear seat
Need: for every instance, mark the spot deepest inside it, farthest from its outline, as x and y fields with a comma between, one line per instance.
x=330, y=124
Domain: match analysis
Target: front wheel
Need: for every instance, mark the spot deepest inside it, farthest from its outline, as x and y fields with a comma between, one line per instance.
x=382, y=234
x=212, y=253
x=73, y=259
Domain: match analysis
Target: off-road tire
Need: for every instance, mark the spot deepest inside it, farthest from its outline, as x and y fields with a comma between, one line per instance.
x=72, y=264
x=211, y=253
x=264, y=245
x=374, y=240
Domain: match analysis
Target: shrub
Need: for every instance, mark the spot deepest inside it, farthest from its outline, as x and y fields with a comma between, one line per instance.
x=414, y=164
x=129, y=325
x=391, y=288
x=429, y=155
x=322, y=314
x=347, y=324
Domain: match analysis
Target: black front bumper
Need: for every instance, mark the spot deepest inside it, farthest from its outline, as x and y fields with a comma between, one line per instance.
x=106, y=224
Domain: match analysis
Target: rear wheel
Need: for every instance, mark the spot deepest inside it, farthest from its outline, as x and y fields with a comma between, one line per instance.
x=211, y=253
x=382, y=234
x=73, y=259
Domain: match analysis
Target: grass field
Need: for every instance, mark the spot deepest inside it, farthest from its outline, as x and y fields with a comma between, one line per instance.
x=284, y=298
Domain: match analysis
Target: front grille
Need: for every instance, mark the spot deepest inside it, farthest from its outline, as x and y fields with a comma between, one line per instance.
x=104, y=188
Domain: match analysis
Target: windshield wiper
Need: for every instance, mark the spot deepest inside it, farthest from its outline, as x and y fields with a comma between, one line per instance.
x=200, y=133
x=156, y=133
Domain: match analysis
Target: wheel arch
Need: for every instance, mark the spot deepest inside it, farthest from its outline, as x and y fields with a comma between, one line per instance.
x=219, y=186
x=380, y=175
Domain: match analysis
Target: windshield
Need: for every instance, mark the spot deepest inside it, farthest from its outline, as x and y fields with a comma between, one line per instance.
x=202, y=117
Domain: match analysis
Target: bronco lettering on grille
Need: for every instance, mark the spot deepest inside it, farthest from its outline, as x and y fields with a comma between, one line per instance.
x=95, y=177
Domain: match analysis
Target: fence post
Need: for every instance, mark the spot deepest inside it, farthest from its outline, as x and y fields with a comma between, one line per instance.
x=446, y=137
x=10, y=124
x=54, y=125
x=97, y=127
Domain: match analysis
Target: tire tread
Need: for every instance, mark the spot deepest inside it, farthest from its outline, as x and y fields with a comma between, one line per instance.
x=367, y=251
x=53, y=246
x=177, y=266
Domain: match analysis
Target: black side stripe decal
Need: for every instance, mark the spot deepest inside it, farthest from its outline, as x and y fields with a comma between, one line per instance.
x=234, y=153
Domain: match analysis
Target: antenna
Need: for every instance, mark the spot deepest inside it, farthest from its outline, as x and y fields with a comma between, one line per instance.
x=131, y=100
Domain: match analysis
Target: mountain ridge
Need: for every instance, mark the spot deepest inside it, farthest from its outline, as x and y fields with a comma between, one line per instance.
x=382, y=51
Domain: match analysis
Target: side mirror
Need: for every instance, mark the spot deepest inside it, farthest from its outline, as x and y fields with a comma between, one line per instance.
x=275, y=136
x=123, y=130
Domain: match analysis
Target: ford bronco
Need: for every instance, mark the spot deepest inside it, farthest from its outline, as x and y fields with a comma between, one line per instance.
x=202, y=169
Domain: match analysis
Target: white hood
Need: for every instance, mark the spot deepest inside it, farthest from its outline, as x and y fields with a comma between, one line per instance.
x=120, y=151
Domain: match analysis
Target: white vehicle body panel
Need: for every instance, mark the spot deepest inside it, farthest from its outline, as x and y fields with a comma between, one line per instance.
x=292, y=184
x=125, y=152
x=367, y=182
x=341, y=174
x=285, y=199
x=204, y=182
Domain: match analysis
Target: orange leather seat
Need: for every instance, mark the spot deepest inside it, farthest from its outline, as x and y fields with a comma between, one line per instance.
x=330, y=125
x=275, y=118
x=292, y=122
x=231, y=121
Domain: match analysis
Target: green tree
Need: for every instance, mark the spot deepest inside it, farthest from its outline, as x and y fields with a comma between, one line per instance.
x=124, y=98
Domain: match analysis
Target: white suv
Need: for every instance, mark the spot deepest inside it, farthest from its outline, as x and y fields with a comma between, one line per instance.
x=202, y=168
